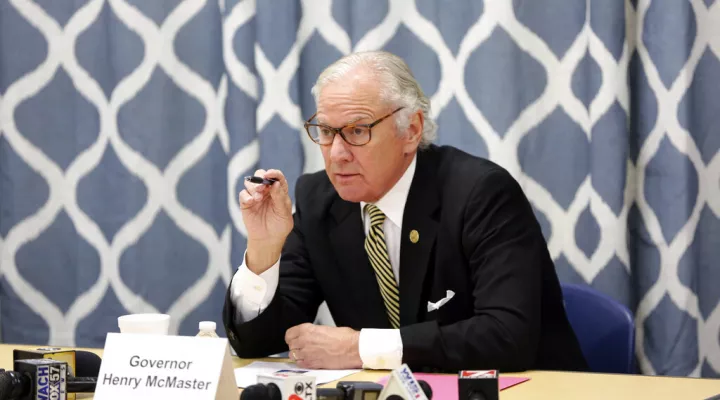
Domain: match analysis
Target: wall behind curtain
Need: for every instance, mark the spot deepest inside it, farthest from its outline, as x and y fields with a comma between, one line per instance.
x=126, y=127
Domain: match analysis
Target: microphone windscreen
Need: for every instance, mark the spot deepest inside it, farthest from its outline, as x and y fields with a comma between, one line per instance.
x=274, y=392
x=87, y=364
x=426, y=388
x=5, y=386
x=253, y=392
x=394, y=397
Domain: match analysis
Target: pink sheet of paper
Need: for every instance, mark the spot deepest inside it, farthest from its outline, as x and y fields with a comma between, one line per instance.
x=446, y=387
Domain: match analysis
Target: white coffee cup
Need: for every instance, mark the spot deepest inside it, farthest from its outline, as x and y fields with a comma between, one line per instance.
x=157, y=324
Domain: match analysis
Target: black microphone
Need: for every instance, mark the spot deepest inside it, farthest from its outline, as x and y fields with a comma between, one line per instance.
x=87, y=369
x=350, y=390
x=426, y=388
x=423, y=385
x=478, y=385
x=260, y=391
x=13, y=385
x=357, y=390
x=81, y=384
x=87, y=364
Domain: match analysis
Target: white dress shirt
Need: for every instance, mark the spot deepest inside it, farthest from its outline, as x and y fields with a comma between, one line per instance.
x=379, y=348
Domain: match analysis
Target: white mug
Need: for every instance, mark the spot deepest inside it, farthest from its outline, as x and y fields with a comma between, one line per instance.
x=157, y=324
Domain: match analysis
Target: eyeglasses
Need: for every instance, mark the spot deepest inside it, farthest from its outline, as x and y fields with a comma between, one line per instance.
x=353, y=134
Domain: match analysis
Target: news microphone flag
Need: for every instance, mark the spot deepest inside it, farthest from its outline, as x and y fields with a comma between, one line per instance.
x=47, y=379
x=54, y=353
x=402, y=383
x=293, y=384
x=478, y=385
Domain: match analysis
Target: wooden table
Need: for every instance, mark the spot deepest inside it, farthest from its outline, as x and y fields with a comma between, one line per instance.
x=542, y=384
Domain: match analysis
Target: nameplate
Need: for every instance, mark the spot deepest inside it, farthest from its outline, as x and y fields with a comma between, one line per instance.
x=140, y=367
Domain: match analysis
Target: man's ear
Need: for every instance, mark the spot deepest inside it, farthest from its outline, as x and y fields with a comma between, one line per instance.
x=414, y=132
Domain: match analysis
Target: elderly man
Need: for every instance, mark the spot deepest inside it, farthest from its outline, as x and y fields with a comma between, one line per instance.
x=424, y=254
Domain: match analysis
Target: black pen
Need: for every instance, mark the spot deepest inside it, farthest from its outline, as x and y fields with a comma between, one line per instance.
x=257, y=179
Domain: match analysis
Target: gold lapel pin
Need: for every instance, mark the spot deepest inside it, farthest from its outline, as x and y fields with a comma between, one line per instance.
x=414, y=236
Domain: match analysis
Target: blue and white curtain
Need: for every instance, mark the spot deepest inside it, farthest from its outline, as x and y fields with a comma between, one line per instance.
x=127, y=125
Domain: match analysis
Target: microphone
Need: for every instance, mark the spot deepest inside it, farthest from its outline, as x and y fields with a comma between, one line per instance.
x=353, y=390
x=83, y=363
x=81, y=384
x=54, y=353
x=293, y=385
x=478, y=385
x=83, y=367
x=261, y=391
x=87, y=364
x=13, y=384
x=345, y=390
x=402, y=383
x=425, y=388
x=271, y=391
x=34, y=379
x=87, y=370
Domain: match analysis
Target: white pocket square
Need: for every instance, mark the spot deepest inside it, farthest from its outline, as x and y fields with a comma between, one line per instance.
x=434, y=306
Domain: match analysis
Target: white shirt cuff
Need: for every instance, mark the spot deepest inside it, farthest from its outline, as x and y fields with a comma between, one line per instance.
x=252, y=293
x=380, y=348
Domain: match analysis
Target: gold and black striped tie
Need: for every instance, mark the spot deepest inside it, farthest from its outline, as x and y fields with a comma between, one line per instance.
x=380, y=261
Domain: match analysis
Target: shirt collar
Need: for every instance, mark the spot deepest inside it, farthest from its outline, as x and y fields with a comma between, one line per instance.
x=392, y=204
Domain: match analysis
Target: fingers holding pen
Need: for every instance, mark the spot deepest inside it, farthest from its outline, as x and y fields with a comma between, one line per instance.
x=280, y=181
x=279, y=189
x=266, y=183
x=256, y=190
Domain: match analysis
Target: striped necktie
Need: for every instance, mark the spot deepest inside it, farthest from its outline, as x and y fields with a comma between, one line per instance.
x=380, y=261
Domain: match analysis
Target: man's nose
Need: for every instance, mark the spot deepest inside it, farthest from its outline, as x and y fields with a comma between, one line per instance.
x=339, y=149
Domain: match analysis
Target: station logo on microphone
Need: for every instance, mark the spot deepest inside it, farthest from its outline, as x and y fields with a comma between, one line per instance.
x=408, y=381
x=50, y=382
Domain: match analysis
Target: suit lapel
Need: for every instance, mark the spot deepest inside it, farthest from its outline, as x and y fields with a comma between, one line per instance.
x=347, y=239
x=420, y=215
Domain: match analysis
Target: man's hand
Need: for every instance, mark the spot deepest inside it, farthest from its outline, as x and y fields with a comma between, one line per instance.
x=324, y=347
x=267, y=214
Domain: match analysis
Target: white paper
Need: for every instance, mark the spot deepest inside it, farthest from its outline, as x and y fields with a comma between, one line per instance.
x=434, y=306
x=247, y=375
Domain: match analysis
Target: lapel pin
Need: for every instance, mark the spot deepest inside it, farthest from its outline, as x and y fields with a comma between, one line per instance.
x=414, y=236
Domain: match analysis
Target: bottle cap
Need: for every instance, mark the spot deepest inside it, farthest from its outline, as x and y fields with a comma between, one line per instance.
x=207, y=325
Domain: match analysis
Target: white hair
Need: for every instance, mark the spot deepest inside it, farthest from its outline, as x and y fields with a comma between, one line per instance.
x=399, y=87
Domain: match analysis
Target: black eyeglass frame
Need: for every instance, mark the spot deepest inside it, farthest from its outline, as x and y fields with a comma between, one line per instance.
x=336, y=131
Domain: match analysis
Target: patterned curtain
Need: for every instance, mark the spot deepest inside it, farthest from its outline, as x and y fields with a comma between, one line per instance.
x=126, y=127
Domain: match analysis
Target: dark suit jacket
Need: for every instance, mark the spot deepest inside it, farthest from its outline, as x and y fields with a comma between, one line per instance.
x=478, y=237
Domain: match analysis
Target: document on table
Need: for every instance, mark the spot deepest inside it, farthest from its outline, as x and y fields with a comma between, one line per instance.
x=247, y=375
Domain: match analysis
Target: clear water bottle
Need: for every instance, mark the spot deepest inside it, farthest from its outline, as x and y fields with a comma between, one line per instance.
x=207, y=329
